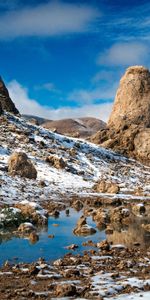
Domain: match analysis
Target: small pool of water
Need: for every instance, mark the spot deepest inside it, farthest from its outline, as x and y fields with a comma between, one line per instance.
x=22, y=250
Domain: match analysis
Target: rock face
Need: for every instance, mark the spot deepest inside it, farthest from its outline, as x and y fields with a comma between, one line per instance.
x=6, y=104
x=20, y=165
x=132, y=102
x=128, y=129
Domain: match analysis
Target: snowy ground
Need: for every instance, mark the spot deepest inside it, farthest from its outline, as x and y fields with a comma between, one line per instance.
x=86, y=164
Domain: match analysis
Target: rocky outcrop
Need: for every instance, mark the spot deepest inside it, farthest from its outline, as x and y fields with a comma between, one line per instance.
x=6, y=104
x=132, y=102
x=19, y=164
x=128, y=129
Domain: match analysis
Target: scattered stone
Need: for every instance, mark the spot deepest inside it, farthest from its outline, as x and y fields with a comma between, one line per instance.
x=104, y=245
x=51, y=236
x=72, y=247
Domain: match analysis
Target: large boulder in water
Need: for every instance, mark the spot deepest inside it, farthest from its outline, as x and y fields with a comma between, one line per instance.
x=132, y=101
x=6, y=104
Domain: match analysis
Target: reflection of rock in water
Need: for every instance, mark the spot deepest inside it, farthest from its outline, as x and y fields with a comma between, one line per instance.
x=131, y=235
x=5, y=236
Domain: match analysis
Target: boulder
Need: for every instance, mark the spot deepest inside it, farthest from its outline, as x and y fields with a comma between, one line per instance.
x=83, y=228
x=106, y=187
x=5, y=100
x=57, y=162
x=26, y=227
x=101, y=217
x=65, y=290
x=33, y=211
x=19, y=164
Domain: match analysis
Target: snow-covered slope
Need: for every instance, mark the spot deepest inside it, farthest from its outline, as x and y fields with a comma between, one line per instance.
x=86, y=163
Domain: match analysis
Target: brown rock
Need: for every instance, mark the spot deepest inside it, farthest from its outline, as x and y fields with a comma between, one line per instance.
x=104, y=245
x=26, y=227
x=19, y=164
x=101, y=217
x=132, y=102
x=142, y=144
x=55, y=161
x=65, y=290
x=128, y=128
x=106, y=187
x=82, y=228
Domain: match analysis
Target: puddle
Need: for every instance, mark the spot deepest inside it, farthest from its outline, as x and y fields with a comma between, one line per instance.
x=16, y=249
x=21, y=250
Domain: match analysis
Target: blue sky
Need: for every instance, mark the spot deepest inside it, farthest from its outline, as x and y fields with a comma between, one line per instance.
x=65, y=58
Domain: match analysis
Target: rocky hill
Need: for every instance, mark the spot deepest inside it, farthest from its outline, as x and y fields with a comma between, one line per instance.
x=79, y=127
x=128, y=128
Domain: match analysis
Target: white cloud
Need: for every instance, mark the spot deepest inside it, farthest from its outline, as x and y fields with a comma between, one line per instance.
x=48, y=86
x=19, y=95
x=52, y=18
x=90, y=96
x=123, y=54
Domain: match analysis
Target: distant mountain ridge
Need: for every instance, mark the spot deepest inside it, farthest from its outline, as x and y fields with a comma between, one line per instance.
x=76, y=127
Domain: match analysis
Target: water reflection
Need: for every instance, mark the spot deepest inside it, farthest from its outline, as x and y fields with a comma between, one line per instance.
x=131, y=235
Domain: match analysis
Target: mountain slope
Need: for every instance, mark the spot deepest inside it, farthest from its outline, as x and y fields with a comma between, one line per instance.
x=85, y=164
